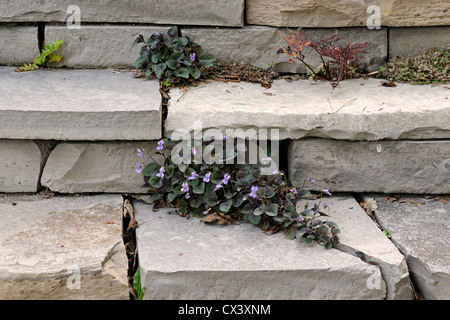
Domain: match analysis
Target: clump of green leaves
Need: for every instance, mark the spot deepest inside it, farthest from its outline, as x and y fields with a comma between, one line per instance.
x=428, y=67
x=47, y=55
x=137, y=286
x=223, y=190
x=166, y=55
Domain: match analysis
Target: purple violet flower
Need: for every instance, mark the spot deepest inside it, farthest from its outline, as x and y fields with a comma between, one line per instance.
x=293, y=190
x=139, y=153
x=253, y=193
x=160, y=146
x=139, y=167
x=266, y=160
x=327, y=192
x=207, y=176
x=185, y=187
x=161, y=173
x=193, y=176
x=226, y=178
x=192, y=56
x=311, y=179
x=218, y=186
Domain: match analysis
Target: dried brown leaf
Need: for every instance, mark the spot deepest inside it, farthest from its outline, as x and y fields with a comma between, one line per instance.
x=388, y=84
x=218, y=218
x=444, y=200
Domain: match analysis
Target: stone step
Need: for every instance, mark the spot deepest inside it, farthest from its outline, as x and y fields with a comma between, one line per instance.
x=359, y=110
x=62, y=248
x=183, y=258
x=63, y=104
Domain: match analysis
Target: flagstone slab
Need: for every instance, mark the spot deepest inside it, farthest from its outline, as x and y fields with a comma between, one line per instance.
x=62, y=104
x=358, y=110
x=183, y=258
x=65, y=247
x=419, y=227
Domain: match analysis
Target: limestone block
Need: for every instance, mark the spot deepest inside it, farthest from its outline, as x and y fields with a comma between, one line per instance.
x=358, y=110
x=20, y=166
x=62, y=104
x=412, y=41
x=18, y=45
x=62, y=248
x=258, y=46
x=96, y=167
x=382, y=166
x=348, y=13
x=99, y=46
x=200, y=12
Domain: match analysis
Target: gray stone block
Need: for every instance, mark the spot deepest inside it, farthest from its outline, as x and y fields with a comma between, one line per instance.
x=258, y=46
x=200, y=12
x=62, y=248
x=63, y=104
x=99, y=46
x=20, y=166
x=18, y=45
x=412, y=41
x=88, y=46
x=96, y=167
x=183, y=258
x=419, y=227
x=381, y=166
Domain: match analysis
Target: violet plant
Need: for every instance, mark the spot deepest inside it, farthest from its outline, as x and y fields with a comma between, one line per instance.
x=167, y=55
x=234, y=191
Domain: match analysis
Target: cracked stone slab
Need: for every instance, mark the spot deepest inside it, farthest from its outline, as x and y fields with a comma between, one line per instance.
x=183, y=258
x=419, y=226
x=77, y=167
x=361, y=237
x=62, y=248
x=61, y=104
x=358, y=110
x=403, y=166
